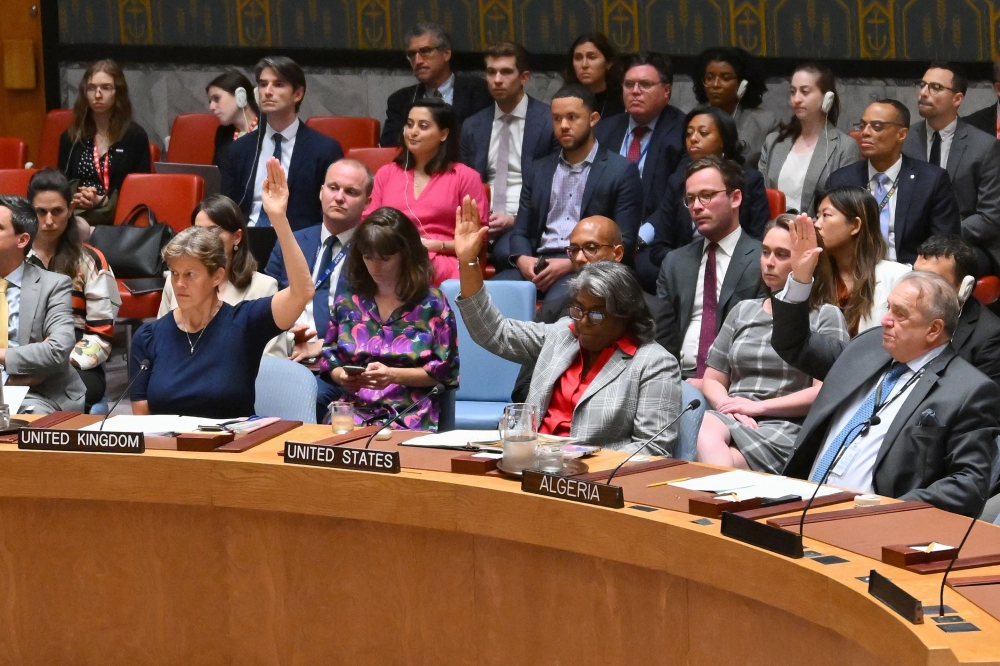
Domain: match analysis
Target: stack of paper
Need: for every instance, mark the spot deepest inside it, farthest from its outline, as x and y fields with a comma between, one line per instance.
x=746, y=485
x=154, y=424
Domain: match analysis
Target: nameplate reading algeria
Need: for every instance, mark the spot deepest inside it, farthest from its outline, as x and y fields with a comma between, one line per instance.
x=568, y=488
x=89, y=441
x=341, y=457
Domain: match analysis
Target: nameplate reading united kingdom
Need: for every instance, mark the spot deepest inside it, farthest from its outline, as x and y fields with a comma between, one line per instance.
x=576, y=490
x=341, y=457
x=89, y=441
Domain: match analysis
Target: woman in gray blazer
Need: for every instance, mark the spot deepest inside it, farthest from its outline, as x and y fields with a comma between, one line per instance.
x=800, y=156
x=600, y=378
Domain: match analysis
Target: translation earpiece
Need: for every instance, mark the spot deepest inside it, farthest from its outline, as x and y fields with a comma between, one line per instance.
x=241, y=97
x=828, y=100
x=968, y=284
x=742, y=90
x=256, y=95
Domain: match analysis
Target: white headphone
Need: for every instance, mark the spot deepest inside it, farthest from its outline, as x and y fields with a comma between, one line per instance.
x=241, y=97
x=742, y=90
x=968, y=284
x=828, y=100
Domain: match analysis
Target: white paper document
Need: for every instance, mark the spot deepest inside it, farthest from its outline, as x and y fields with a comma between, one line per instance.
x=14, y=396
x=153, y=424
x=456, y=438
x=747, y=485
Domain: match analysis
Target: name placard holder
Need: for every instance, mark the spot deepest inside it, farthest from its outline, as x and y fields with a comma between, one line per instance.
x=87, y=441
x=341, y=457
x=762, y=535
x=576, y=490
x=895, y=597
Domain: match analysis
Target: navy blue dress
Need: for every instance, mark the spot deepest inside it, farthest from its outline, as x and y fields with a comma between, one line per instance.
x=217, y=380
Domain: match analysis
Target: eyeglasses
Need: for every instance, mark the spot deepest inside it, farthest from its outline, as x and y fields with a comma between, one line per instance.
x=424, y=52
x=704, y=197
x=934, y=87
x=105, y=88
x=876, y=125
x=589, y=249
x=644, y=86
x=577, y=313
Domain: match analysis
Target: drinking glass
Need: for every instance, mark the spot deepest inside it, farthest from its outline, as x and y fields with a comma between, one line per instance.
x=342, y=417
x=549, y=457
x=519, y=432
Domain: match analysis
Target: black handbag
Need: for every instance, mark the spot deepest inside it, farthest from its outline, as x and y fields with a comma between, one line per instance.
x=133, y=251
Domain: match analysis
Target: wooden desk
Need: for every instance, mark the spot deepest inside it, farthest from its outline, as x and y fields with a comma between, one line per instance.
x=204, y=558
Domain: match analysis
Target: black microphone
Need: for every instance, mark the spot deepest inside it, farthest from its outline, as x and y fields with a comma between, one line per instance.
x=438, y=389
x=944, y=580
x=143, y=366
x=694, y=404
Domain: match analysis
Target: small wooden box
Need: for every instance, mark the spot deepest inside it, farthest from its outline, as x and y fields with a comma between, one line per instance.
x=203, y=442
x=469, y=464
x=710, y=507
x=904, y=556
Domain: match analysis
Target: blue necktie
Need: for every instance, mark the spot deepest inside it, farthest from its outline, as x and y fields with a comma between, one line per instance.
x=263, y=220
x=853, y=426
x=324, y=261
x=881, y=189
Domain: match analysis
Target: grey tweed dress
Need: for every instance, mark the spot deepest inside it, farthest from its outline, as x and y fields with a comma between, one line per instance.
x=743, y=351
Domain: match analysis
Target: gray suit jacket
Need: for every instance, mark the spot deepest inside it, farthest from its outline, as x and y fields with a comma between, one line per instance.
x=946, y=464
x=629, y=400
x=974, y=168
x=46, y=336
x=753, y=126
x=826, y=158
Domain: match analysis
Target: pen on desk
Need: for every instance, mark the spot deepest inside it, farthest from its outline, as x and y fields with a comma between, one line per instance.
x=663, y=483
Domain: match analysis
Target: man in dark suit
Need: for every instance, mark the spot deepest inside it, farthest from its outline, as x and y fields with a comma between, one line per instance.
x=977, y=336
x=304, y=153
x=345, y=193
x=582, y=180
x=599, y=239
x=429, y=52
x=988, y=119
x=933, y=440
x=650, y=134
x=524, y=123
x=971, y=158
x=916, y=199
x=703, y=280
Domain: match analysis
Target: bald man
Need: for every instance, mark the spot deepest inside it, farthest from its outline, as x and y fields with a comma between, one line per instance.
x=598, y=238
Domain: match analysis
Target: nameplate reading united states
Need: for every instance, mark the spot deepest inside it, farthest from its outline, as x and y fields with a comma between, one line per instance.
x=568, y=488
x=341, y=457
x=89, y=441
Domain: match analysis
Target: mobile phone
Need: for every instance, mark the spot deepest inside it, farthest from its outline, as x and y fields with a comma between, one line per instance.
x=353, y=369
x=541, y=264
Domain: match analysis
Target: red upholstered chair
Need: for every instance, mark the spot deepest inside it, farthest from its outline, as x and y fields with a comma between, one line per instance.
x=154, y=153
x=56, y=122
x=350, y=131
x=13, y=153
x=373, y=158
x=776, y=202
x=987, y=289
x=192, y=138
x=15, y=181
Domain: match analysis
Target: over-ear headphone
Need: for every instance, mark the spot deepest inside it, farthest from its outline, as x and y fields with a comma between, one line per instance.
x=241, y=97
x=256, y=95
x=968, y=284
x=828, y=99
x=742, y=90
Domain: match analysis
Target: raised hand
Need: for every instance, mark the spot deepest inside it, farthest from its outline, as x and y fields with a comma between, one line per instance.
x=805, y=250
x=470, y=234
x=274, y=192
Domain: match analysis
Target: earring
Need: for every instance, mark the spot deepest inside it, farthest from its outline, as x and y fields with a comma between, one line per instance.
x=236, y=246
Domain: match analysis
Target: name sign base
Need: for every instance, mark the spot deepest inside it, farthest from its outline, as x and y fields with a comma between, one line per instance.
x=342, y=457
x=575, y=490
x=88, y=441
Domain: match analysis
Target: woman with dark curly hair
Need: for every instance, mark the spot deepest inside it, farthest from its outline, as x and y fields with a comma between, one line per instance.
x=593, y=62
x=728, y=78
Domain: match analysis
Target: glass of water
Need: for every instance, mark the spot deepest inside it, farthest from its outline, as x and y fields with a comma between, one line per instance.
x=342, y=417
x=519, y=433
x=550, y=456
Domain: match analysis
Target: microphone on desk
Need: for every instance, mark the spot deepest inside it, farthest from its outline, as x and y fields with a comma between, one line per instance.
x=944, y=579
x=694, y=404
x=437, y=390
x=865, y=427
x=143, y=366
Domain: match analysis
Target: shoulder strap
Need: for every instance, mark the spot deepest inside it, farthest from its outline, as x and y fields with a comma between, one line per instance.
x=137, y=213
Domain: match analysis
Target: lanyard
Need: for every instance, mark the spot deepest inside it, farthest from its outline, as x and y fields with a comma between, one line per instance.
x=879, y=405
x=237, y=134
x=642, y=151
x=888, y=195
x=103, y=166
x=325, y=275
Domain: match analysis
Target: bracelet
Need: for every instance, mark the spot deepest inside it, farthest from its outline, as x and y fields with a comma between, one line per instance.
x=473, y=263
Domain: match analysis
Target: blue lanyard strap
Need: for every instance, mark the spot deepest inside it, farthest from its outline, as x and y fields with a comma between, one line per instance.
x=325, y=275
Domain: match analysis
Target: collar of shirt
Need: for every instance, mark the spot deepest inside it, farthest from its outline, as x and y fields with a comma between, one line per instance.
x=286, y=134
x=344, y=237
x=946, y=132
x=727, y=244
x=892, y=172
x=520, y=111
x=632, y=124
x=446, y=89
x=919, y=362
x=587, y=161
x=16, y=276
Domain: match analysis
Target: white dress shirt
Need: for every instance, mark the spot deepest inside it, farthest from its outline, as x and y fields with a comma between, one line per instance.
x=447, y=90
x=307, y=317
x=947, y=135
x=266, y=152
x=856, y=467
x=893, y=174
x=14, y=304
x=792, y=177
x=643, y=143
x=692, y=336
x=514, y=176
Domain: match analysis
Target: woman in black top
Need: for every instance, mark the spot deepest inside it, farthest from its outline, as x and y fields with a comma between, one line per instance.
x=103, y=144
x=237, y=111
x=593, y=62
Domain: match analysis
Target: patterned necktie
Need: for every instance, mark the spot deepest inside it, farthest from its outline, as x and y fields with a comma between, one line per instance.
x=263, y=220
x=324, y=261
x=635, y=148
x=709, y=305
x=865, y=412
x=503, y=165
x=4, y=315
x=935, y=158
x=881, y=189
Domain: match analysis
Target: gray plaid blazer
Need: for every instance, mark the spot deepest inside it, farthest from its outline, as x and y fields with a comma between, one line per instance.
x=627, y=403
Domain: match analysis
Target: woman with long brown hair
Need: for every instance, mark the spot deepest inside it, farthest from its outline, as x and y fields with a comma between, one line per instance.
x=593, y=62
x=103, y=144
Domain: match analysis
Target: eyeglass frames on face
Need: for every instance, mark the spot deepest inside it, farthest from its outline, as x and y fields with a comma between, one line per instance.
x=704, y=197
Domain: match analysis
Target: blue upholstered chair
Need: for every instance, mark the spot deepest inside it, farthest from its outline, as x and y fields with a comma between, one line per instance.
x=690, y=423
x=486, y=380
x=285, y=389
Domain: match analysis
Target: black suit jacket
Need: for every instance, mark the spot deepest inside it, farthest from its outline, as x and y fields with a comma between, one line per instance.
x=664, y=153
x=977, y=339
x=312, y=156
x=539, y=140
x=613, y=189
x=471, y=96
x=947, y=465
x=925, y=202
x=129, y=155
x=681, y=270
x=667, y=334
x=984, y=119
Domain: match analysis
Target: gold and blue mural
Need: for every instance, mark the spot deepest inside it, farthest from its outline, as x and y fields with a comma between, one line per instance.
x=965, y=30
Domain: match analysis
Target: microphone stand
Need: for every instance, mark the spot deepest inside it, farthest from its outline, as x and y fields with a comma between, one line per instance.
x=438, y=389
x=143, y=366
x=694, y=404
x=944, y=580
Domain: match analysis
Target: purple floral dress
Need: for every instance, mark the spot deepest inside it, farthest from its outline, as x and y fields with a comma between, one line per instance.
x=422, y=335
